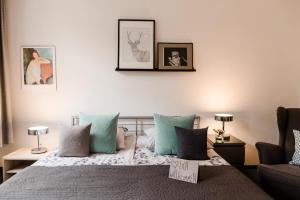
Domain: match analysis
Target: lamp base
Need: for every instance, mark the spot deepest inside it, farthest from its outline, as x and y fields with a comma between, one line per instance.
x=38, y=150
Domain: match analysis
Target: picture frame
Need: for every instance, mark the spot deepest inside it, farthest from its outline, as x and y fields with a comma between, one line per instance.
x=38, y=67
x=175, y=56
x=136, y=44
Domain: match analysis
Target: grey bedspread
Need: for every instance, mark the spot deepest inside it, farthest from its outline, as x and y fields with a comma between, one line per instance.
x=127, y=182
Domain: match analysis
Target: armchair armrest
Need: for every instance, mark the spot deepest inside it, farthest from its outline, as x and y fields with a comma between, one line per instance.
x=269, y=153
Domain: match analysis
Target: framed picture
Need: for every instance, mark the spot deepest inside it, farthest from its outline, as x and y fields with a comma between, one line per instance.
x=175, y=56
x=136, y=44
x=38, y=68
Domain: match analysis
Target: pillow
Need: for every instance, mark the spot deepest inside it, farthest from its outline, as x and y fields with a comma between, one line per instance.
x=150, y=131
x=165, y=137
x=192, y=143
x=120, y=139
x=141, y=141
x=149, y=141
x=74, y=141
x=103, y=132
x=296, y=156
x=150, y=138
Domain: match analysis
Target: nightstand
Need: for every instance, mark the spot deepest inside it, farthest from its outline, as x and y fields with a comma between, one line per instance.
x=18, y=160
x=233, y=150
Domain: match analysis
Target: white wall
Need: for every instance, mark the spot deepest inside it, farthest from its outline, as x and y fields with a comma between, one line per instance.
x=246, y=54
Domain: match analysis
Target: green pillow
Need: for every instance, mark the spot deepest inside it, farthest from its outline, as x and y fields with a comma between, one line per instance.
x=165, y=137
x=103, y=132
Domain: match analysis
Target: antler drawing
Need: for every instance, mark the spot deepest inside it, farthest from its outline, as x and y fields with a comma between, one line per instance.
x=140, y=55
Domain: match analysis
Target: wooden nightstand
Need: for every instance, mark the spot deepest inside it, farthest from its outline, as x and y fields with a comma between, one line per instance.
x=18, y=160
x=233, y=150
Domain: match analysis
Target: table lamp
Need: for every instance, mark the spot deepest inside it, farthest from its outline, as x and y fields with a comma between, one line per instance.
x=38, y=130
x=224, y=118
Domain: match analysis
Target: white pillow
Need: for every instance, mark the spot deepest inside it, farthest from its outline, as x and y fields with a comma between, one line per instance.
x=296, y=156
x=120, y=139
x=151, y=138
x=150, y=133
x=142, y=141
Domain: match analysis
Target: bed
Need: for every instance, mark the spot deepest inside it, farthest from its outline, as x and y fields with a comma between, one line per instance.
x=132, y=173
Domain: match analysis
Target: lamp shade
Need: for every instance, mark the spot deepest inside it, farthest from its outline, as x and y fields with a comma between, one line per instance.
x=38, y=130
x=224, y=117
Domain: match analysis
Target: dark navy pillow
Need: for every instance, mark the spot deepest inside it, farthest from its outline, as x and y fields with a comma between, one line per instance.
x=192, y=143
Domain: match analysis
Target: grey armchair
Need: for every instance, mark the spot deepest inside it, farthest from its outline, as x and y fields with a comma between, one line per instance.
x=276, y=175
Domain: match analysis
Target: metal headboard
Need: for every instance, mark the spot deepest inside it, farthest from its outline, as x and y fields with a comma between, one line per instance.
x=135, y=124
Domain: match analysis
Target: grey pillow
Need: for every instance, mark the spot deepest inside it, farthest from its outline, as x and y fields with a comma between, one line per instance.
x=74, y=141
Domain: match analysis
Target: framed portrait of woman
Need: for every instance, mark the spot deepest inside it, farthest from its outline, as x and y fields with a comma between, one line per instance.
x=38, y=68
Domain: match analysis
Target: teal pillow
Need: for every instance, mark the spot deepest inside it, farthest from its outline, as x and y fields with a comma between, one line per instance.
x=103, y=132
x=165, y=137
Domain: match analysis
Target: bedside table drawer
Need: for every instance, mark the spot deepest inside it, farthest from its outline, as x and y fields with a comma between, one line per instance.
x=11, y=167
x=235, y=155
x=16, y=161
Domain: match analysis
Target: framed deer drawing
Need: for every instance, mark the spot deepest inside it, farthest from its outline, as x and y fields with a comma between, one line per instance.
x=136, y=43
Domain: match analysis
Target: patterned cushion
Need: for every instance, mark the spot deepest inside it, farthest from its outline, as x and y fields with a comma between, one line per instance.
x=296, y=156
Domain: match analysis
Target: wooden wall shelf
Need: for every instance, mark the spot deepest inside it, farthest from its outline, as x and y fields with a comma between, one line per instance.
x=156, y=70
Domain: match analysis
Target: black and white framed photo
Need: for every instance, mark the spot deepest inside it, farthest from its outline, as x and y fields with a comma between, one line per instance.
x=175, y=56
x=136, y=43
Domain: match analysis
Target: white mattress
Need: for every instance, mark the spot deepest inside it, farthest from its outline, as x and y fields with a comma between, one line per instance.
x=132, y=155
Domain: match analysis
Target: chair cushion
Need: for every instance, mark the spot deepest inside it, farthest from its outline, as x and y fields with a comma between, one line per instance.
x=283, y=174
x=282, y=181
x=293, y=118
